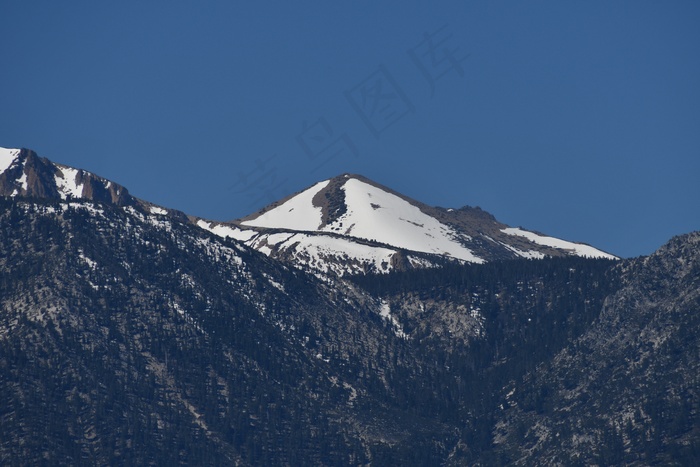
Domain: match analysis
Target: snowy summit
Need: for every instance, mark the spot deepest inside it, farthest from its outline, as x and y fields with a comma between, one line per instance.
x=350, y=224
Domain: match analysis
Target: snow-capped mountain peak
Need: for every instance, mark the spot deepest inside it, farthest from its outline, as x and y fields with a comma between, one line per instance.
x=350, y=224
x=354, y=207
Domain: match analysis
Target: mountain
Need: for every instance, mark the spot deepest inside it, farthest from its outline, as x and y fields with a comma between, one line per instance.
x=350, y=224
x=345, y=225
x=131, y=335
x=627, y=391
x=128, y=337
x=23, y=173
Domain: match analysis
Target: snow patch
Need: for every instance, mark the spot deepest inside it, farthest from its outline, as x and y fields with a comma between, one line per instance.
x=532, y=254
x=274, y=239
x=92, y=264
x=274, y=283
x=23, y=181
x=227, y=231
x=83, y=206
x=321, y=252
x=216, y=250
x=385, y=312
x=157, y=210
x=66, y=183
x=297, y=213
x=577, y=249
x=396, y=222
x=420, y=262
x=7, y=158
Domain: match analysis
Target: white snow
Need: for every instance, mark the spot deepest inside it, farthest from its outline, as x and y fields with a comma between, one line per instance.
x=420, y=262
x=227, y=231
x=83, y=207
x=315, y=251
x=371, y=214
x=274, y=239
x=578, y=249
x=385, y=312
x=7, y=157
x=374, y=214
x=23, y=181
x=216, y=250
x=531, y=254
x=157, y=210
x=66, y=183
x=274, y=283
x=92, y=264
x=297, y=213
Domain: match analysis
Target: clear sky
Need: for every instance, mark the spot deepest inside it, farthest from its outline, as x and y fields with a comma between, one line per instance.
x=577, y=119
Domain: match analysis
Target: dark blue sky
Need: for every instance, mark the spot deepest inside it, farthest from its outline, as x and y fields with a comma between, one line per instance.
x=577, y=119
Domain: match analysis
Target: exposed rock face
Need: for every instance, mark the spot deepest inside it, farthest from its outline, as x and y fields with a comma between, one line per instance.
x=36, y=177
x=29, y=175
x=331, y=200
x=628, y=390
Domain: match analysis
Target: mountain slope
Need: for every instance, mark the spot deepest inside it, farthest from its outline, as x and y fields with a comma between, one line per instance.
x=132, y=334
x=350, y=224
x=347, y=224
x=24, y=174
x=628, y=390
x=130, y=337
x=126, y=337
